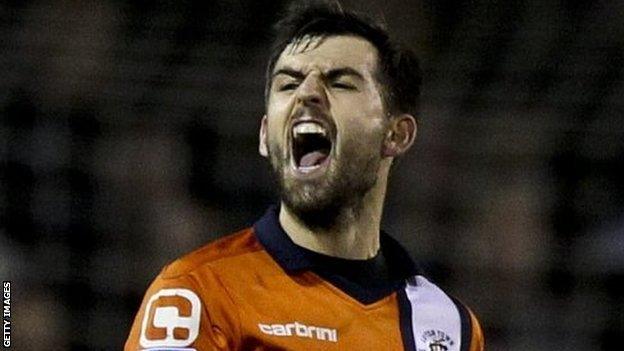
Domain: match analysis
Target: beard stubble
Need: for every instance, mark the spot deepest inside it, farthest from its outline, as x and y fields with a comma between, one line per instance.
x=320, y=202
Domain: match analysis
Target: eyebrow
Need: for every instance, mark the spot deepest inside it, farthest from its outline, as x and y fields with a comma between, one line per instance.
x=289, y=72
x=329, y=75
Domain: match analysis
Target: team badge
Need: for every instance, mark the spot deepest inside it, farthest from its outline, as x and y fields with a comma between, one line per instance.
x=436, y=340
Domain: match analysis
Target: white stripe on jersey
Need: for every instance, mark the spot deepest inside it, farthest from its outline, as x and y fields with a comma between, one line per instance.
x=435, y=319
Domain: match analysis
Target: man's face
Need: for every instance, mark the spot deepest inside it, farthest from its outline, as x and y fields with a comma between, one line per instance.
x=325, y=124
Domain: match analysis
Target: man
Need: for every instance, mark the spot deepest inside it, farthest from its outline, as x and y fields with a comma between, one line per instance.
x=316, y=273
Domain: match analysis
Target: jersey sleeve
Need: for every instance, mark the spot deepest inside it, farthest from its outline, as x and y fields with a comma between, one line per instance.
x=189, y=311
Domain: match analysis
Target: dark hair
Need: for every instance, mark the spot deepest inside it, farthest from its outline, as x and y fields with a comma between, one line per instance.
x=398, y=69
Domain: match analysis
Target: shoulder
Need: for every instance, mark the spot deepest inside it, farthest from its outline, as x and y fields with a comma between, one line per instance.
x=224, y=249
x=190, y=287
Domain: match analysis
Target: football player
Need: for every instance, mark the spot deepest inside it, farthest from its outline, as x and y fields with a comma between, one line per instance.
x=316, y=272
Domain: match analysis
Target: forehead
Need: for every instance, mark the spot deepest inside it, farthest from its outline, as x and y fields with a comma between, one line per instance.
x=333, y=51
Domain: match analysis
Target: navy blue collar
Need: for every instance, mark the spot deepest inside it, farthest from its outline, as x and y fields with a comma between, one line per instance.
x=294, y=258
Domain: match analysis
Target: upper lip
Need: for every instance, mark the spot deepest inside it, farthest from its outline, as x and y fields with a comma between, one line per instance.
x=311, y=114
x=307, y=119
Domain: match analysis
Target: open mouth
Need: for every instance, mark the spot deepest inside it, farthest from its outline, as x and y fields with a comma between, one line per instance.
x=311, y=146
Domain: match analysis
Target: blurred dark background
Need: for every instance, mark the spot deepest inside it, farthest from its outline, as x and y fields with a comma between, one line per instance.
x=129, y=135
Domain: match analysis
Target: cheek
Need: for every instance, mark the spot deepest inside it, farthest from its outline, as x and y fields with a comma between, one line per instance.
x=362, y=123
x=277, y=114
x=361, y=138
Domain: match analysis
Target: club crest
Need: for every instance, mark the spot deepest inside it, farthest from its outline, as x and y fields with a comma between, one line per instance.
x=435, y=340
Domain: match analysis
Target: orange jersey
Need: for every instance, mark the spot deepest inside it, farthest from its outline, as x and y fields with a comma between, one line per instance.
x=258, y=290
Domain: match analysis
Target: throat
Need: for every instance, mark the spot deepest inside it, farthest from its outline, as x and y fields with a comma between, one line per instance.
x=346, y=238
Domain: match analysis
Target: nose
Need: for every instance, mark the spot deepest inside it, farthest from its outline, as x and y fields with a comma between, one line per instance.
x=311, y=92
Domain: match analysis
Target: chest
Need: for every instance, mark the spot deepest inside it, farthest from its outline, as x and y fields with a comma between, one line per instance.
x=307, y=313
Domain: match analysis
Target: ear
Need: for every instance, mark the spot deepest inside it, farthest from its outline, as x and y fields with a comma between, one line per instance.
x=400, y=136
x=262, y=146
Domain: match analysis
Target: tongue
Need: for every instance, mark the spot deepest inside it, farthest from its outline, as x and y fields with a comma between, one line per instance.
x=312, y=158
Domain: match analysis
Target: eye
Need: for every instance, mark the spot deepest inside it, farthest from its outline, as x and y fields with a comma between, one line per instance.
x=288, y=86
x=342, y=85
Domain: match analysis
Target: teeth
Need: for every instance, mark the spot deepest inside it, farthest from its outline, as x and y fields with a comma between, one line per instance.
x=309, y=128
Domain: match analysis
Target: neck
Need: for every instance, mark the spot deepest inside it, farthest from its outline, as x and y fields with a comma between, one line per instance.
x=355, y=234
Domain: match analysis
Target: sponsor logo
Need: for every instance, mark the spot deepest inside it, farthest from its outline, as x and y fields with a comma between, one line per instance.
x=300, y=330
x=435, y=340
x=171, y=320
